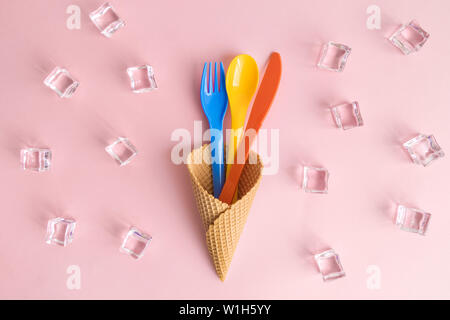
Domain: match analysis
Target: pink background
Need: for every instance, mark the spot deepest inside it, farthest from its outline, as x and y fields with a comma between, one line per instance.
x=399, y=96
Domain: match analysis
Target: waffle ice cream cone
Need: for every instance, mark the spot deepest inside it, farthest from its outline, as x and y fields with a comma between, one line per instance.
x=223, y=223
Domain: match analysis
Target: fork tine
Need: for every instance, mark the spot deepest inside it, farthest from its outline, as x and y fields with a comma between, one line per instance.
x=222, y=77
x=204, y=84
x=210, y=90
x=216, y=78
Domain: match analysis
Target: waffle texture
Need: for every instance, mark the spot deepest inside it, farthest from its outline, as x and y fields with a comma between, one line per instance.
x=223, y=223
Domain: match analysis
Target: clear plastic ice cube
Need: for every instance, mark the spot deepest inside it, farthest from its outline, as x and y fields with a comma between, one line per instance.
x=122, y=151
x=61, y=82
x=329, y=265
x=60, y=231
x=106, y=20
x=35, y=159
x=334, y=56
x=135, y=243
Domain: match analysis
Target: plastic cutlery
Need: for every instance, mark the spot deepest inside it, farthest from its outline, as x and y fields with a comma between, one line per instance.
x=214, y=102
x=261, y=105
x=242, y=81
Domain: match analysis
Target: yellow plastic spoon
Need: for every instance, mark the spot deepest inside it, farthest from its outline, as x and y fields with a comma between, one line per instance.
x=241, y=82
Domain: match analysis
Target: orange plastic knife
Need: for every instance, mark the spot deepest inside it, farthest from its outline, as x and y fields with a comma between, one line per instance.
x=261, y=105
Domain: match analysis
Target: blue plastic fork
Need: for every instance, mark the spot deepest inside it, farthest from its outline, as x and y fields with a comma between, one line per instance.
x=214, y=102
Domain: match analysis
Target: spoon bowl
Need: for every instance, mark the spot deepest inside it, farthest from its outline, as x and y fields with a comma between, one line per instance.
x=241, y=83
